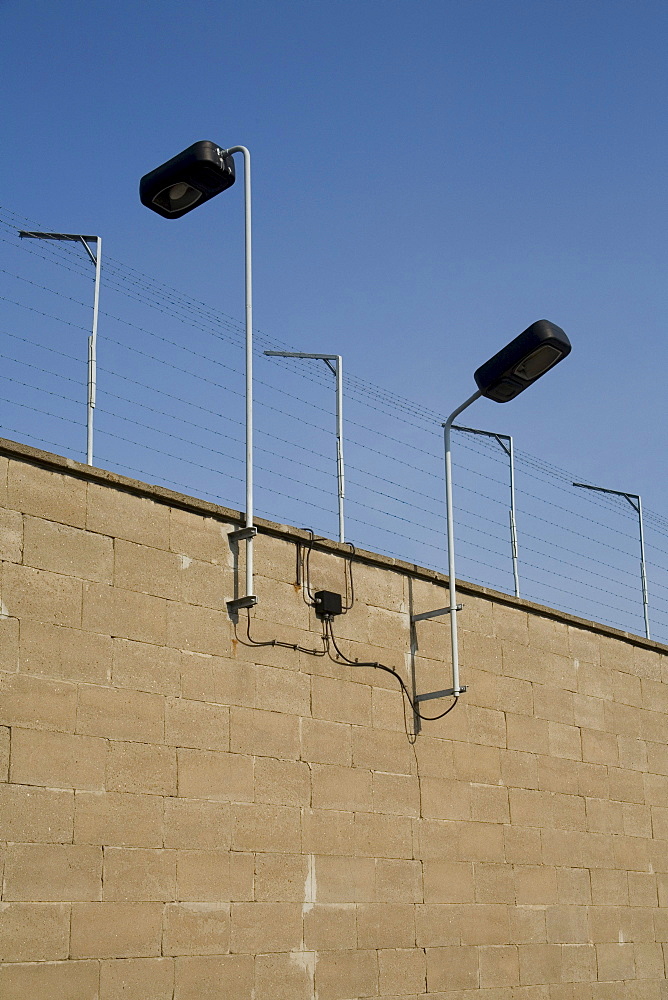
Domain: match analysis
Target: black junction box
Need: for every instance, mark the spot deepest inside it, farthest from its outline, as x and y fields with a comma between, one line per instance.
x=327, y=604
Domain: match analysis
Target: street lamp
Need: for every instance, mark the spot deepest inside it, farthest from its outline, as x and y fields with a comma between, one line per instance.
x=92, y=340
x=516, y=366
x=636, y=503
x=506, y=442
x=335, y=365
x=189, y=179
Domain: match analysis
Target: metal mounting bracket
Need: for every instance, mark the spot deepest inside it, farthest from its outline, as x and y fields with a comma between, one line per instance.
x=435, y=614
x=241, y=534
x=440, y=694
x=241, y=602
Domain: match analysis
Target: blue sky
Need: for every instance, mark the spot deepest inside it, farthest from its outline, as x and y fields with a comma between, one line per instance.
x=428, y=179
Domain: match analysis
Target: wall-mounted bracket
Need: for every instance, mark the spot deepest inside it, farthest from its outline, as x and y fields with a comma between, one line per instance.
x=241, y=602
x=242, y=534
x=440, y=694
x=435, y=614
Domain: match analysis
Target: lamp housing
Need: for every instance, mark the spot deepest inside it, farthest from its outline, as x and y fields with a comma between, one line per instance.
x=189, y=179
x=521, y=362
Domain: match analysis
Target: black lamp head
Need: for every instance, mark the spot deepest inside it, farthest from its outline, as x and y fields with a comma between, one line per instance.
x=200, y=172
x=522, y=361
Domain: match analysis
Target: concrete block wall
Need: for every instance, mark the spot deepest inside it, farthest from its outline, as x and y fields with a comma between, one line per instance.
x=184, y=816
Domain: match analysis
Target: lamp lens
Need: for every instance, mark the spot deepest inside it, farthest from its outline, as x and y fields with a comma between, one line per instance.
x=177, y=197
x=537, y=363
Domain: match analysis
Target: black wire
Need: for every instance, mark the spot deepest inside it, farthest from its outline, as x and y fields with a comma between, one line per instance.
x=388, y=670
x=279, y=642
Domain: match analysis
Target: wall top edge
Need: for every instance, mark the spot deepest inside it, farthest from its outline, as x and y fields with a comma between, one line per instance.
x=35, y=456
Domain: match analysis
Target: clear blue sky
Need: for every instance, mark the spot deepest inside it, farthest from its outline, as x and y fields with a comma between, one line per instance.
x=429, y=178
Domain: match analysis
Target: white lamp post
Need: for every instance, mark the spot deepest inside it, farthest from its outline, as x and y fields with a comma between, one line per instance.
x=516, y=366
x=173, y=189
x=92, y=340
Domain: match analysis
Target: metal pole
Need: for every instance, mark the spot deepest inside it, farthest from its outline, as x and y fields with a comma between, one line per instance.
x=452, y=581
x=643, y=574
x=337, y=371
x=249, y=365
x=92, y=354
x=636, y=503
x=513, y=526
x=508, y=449
x=92, y=340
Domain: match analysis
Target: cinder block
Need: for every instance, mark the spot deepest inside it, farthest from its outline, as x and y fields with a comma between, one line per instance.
x=553, y=704
x=445, y=799
x=342, y=974
x=382, y=836
x=201, y=537
x=196, y=724
x=484, y=923
x=493, y=883
x=583, y=644
x=211, y=977
x=60, y=548
x=141, y=767
x=615, y=962
x=627, y=688
x=573, y=886
x=123, y=613
x=385, y=925
x=135, y=875
x=9, y=643
x=499, y=965
x=567, y=925
x=396, y=794
x=265, y=828
x=116, y=930
x=472, y=762
x=588, y=712
x=147, y=570
x=45, y=493
x=282, y=782
x=34, y=932
x=402, y=971
x=65, y=980
x=214, y=876
x=522, y=845
x=382, y=750
x=57, y=760
x=599, y=748
x=132, y=716
x=330, y=926
x=342, y=788
x=204, y=583
x=341, y=701
x=328, y=831
x=437, y=925
x=578, y=964
x=216, y=775
x=4, y=753
x=448, y=882
x=519, y=769
x=285, y=976
x=283, y=690
x=113, y=511
x=593, y=780
x=489, y=804
x=527, y=925
x=52, y=873
x=266, y=734
x=142, y=666
x=345, y=879
x=37, y=703
x=535, y=885
x=65, y=653
x=262, y=927
x=325, y=742
x=197, y=824
x=280, y=601
x=11, y=536
x=30, y=814
x=282, y=878
x=452, y=968
x=540, y=963
x=137, y=979
x=481, y=842
x=524, y=733
x=398, y=881
x=196, y=929
x=41, y=596
x=118, y=819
